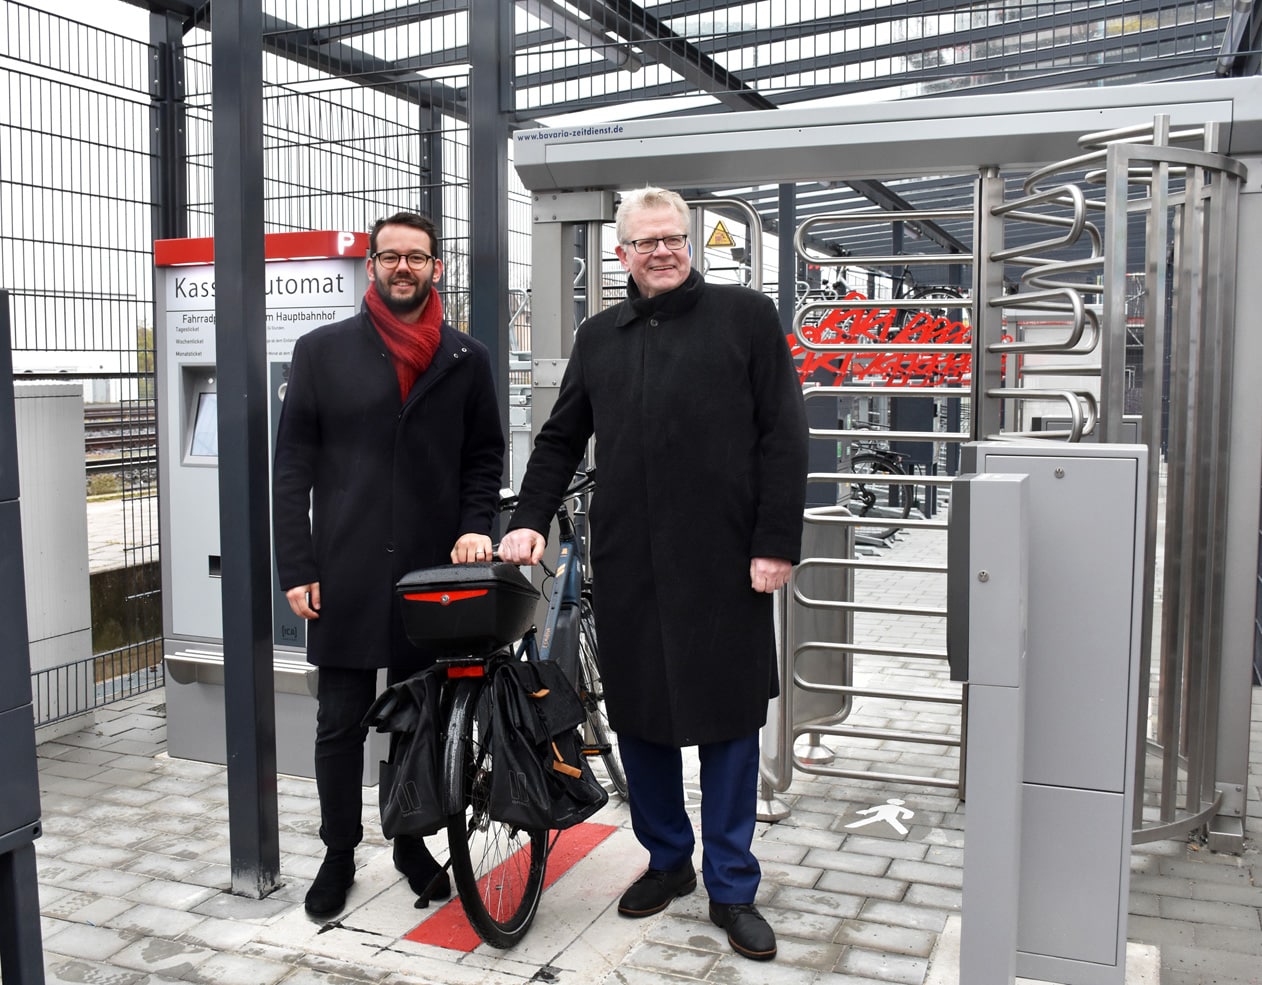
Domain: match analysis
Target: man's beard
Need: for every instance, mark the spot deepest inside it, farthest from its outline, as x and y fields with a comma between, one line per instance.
x=403, y=306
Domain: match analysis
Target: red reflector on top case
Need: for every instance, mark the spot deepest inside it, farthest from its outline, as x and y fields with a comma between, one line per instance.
x=445, y=598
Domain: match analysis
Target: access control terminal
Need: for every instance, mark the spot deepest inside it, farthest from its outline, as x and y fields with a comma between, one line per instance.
x=312, y=279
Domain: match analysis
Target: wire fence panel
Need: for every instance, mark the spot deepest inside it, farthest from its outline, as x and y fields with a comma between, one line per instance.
x=76, y=211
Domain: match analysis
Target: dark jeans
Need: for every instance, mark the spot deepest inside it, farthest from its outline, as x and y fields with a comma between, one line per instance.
x=343, y=697
x=729, y=808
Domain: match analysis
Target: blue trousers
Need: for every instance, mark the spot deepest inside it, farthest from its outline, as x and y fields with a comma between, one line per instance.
x=729, y=803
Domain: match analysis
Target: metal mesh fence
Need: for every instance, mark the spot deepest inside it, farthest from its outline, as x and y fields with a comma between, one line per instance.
x=75, y=251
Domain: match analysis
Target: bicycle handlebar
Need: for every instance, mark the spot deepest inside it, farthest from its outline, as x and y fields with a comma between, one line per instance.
x=582, y=482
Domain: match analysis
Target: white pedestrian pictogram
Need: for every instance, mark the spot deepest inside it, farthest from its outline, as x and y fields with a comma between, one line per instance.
x=892, y=812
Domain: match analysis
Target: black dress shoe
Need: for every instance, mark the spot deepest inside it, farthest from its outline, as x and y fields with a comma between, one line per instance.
x=327, y=894
x=654, y=890
x=425, y=876
x=747, y=930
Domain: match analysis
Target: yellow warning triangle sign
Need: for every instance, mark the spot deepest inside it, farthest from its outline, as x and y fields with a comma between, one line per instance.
x=720, y=236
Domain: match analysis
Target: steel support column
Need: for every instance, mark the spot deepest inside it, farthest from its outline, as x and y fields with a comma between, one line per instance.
x=987, y=373
x=490, y=98
x=169, y=170
x=245, y=538
x=787, y=259
x=430, y=197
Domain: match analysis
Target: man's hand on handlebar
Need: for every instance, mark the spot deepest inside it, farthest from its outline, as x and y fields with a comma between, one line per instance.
x=522, y=546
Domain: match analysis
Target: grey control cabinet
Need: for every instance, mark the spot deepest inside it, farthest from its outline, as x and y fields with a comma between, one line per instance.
x=1085, y=562
x=21, y=955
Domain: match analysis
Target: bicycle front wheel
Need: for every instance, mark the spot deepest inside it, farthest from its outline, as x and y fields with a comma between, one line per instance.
x=498, y=869
x=592, y=690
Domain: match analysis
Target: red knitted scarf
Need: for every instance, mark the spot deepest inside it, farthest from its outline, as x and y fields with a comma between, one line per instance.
x=411, y=344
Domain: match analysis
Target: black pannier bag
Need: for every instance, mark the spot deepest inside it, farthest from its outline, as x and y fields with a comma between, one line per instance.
x=409, y=787
x=539, y=779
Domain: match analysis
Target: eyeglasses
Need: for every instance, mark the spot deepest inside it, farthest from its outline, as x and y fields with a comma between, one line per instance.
x=389, y=259
x=650, y=244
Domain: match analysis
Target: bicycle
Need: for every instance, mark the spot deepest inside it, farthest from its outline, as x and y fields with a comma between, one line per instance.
x=835, y=291
x=472, y=614
x=907, y=287
x=875, y=497
x=569, y=634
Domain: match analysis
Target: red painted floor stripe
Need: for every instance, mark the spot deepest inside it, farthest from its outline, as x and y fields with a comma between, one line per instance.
x=448, y=927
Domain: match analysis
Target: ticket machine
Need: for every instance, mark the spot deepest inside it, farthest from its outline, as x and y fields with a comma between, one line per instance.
x=313, y=279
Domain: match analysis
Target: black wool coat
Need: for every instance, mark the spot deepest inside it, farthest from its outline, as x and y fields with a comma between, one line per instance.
x=701, y=457
x=390, y=484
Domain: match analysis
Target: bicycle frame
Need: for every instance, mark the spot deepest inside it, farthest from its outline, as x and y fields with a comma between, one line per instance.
x=559, y=638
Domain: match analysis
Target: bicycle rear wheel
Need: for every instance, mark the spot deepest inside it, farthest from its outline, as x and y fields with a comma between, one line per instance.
x=878, y=498
x=945, y=295
x=592, y=690
x=498, y=869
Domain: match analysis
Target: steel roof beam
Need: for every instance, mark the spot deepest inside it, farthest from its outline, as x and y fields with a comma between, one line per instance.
x=352, y=27
x=282, y=38
x=637, y=26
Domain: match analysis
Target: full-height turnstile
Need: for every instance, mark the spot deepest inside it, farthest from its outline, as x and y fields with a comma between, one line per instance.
x=1135, y=141
x=573, y=175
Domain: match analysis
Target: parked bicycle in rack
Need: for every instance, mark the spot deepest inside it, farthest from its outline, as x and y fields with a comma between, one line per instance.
x=882, y=497
x=907, y=287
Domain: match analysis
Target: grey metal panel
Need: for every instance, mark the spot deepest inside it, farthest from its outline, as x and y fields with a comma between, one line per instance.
x=1082, y=550
x=20, y=937
x=49, y=418
x=15, y=668
x=19, y=780
x=195, y=699
x=8, y=429
x=994, y=579
x=1062, y=869
x=998, y=574
x=1130, y=428
x=931, y=136
x=993, y=849
x=1240, y=602
x=958, y=631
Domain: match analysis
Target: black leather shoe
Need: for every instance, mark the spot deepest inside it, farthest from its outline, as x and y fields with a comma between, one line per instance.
x=654, y=890
x=747, y=930
x=327, y=894
x=425, y=876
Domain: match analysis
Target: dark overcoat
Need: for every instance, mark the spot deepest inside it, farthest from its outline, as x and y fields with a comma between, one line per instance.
x=390, y=484
x=701, y=457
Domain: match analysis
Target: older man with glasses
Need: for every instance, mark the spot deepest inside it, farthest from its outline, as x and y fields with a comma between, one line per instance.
x=388, y=458
x=690, y=391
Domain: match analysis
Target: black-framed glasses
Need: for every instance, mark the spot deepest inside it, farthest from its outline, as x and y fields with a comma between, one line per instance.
x=389, y=259
x=649, y=244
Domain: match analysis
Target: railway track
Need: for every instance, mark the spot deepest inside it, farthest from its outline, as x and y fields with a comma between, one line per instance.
x=109, y=427
x=122, y=440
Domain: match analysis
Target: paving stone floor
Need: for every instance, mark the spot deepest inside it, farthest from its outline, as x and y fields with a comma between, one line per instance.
x=134, y=873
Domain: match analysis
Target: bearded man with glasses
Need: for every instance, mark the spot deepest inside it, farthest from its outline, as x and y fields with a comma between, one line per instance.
x=388, y=458
x=701, y=441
